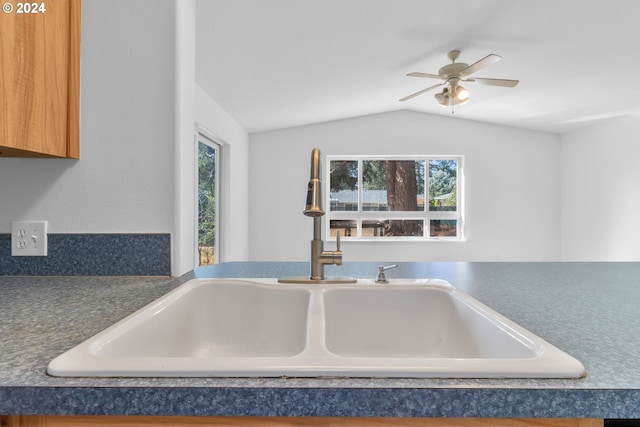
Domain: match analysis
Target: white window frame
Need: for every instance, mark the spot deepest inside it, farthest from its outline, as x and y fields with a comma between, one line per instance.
x=204, y=137
x=426, y=215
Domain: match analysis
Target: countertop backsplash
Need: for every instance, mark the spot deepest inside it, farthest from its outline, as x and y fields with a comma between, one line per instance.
x=92, y=255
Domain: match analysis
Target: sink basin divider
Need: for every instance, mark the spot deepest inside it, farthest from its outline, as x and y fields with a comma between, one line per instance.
x=315, y=325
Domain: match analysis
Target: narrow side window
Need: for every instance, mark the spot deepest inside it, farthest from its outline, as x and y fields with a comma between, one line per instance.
x=208, y=241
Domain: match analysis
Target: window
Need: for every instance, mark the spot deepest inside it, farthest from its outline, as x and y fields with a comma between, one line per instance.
x=208, y=200
x=394, y=197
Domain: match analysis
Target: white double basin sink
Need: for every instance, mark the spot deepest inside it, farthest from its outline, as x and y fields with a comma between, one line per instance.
x=260, y=328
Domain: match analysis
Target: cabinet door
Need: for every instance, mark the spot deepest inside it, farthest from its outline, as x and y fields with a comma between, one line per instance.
x=39, y=79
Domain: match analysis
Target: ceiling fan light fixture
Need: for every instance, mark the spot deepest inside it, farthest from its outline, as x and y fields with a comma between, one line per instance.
x=462, y=94
x=443, y=98
x=461, y=101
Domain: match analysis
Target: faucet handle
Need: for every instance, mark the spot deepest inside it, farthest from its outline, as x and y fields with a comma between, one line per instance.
x=382, y=278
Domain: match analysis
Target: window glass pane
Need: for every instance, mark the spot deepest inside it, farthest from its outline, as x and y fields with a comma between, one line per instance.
x=343, y=185
x=207, y=199
x=393, y=228
x=373, y=228
x=443, y=185
x=374, y=186
x=347, y=227
x=393, y=185
x=443, y=228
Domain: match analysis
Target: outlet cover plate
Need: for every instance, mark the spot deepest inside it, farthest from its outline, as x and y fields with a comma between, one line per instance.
x=29, y=238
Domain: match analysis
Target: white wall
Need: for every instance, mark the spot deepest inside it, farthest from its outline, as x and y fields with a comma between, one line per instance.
x=195, y=109
x=512, y=184
x=235, y=207
x=124, y=179
x=600, y=187
x=139, y=106
x=183, y=242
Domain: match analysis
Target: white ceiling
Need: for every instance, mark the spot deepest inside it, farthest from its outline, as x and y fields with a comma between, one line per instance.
x=279, y=63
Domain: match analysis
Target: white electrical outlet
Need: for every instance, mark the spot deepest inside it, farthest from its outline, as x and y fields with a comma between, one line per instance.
x=29, y=238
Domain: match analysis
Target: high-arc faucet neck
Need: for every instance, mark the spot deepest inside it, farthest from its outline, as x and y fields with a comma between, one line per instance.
x=313, y=208
x=315, y=164
x=314, y=190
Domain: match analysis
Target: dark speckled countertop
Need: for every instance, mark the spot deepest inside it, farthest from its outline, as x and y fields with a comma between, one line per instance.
x=589, y=310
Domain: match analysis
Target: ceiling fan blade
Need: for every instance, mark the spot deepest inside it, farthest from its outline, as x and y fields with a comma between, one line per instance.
x=427, y=75
x=495, y=82
x=476, y=66
x=413, y=95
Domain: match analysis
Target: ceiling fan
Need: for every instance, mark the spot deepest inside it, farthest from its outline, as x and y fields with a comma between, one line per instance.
x=455, y=73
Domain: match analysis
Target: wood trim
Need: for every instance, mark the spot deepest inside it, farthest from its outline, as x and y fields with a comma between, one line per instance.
x=144, y=421
x=73, y=100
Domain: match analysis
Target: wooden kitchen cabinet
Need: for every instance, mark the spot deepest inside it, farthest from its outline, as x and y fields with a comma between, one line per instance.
x=40, y=79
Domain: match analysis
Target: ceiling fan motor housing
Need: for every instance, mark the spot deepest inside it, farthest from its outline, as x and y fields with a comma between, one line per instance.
x=452, y=70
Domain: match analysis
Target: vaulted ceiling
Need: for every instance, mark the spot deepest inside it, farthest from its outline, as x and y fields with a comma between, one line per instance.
x=280, y=63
